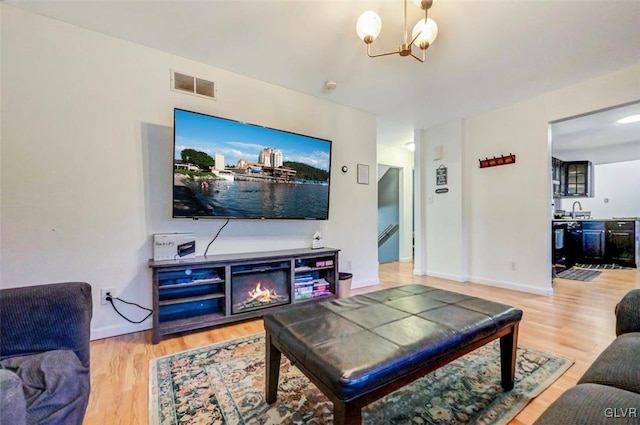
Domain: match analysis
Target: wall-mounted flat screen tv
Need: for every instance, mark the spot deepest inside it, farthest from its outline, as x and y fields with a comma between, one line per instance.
x=229, y=169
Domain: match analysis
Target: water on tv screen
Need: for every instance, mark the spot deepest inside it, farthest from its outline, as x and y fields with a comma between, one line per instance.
x=230, y=169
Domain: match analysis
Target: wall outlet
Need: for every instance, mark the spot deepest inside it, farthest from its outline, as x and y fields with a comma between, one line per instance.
x=349, y=265
x=513, y=265
x=104, y=292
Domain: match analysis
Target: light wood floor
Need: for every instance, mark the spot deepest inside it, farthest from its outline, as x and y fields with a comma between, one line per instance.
x=577, y=322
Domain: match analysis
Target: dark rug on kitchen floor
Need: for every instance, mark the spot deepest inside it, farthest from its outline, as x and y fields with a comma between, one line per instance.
x=579, y=274
x=603, y=266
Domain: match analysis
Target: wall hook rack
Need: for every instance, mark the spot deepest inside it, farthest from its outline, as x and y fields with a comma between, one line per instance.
x=495, y=161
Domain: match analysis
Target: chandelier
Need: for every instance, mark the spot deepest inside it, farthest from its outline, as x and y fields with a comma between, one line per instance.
x=423, y=35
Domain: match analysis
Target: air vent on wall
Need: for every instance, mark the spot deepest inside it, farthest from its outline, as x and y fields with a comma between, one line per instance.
x=192, y=85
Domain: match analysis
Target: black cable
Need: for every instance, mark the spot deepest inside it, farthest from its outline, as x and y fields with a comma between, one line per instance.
x=216, y=236
x=110, y=299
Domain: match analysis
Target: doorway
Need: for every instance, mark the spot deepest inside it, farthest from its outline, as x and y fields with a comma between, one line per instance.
x=593, y=157
x=388, y=214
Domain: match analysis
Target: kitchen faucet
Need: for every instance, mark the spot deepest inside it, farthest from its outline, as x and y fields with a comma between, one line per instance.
x=573, y=208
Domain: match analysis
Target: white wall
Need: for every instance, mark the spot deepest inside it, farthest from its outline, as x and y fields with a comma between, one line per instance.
x=445, y=234
x=1, y=112
x=618, y=183
x=403, y=159
x=86, y=155
x=509, y=207
x=603, y=155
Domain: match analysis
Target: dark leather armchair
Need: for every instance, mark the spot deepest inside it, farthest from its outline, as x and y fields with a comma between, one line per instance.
x=44, y=353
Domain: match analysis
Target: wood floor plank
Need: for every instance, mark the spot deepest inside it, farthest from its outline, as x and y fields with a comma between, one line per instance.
x=577, y=322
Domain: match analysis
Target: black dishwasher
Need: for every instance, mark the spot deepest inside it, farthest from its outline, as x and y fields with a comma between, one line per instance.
x=573, y=243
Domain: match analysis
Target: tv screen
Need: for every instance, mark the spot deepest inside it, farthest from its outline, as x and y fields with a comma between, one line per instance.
x=230, y=169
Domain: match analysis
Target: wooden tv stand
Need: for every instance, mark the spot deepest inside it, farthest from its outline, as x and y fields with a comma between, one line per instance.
x=197, y=293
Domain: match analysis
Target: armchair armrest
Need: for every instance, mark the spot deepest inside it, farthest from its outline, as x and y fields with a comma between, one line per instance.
x=40, y=318
x=628, y=313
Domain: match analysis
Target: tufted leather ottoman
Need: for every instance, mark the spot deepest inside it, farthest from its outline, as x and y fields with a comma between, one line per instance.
x=359, y=349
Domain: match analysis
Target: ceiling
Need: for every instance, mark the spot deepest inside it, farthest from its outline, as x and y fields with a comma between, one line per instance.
x=596, y=130
x=488, y=54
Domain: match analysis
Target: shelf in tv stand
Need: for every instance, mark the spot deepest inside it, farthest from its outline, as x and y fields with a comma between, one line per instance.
x=189, y=323
x=311, y=269
x=204, y=309
x=193, y=283
x=190, y=299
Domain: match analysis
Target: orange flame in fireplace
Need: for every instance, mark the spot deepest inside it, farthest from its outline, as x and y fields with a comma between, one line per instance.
x=262, y=295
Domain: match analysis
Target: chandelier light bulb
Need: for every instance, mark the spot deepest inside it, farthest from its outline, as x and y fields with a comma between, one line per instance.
x=369, y=26
x=424, y=4
x=428, y=30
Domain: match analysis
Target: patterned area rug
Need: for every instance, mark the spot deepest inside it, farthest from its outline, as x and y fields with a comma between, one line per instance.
x=579, y=274
x=603, y=266
x=224, y=384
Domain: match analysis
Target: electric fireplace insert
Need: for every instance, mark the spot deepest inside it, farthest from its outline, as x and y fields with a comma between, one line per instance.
x=260, y=286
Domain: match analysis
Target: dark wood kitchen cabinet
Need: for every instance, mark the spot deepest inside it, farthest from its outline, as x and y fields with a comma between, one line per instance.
x=573, y=243
x=596, y=242
x=578, y=179
x=620, y=242
x=558, y=177
x=593, y=241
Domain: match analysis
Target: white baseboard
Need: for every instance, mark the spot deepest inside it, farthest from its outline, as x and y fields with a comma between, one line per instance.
x=512, y=286
x=488, y=282
x=116, y=330
x=364, y=283
x=457, y=278
x=406, y=259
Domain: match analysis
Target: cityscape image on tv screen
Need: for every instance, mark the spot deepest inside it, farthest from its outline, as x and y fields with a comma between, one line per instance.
x=229, y=169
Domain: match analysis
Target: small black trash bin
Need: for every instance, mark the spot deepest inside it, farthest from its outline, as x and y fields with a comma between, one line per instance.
x=344, y=284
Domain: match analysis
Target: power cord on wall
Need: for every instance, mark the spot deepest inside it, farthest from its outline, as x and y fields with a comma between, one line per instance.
x=216, y=236
x=110, y=299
